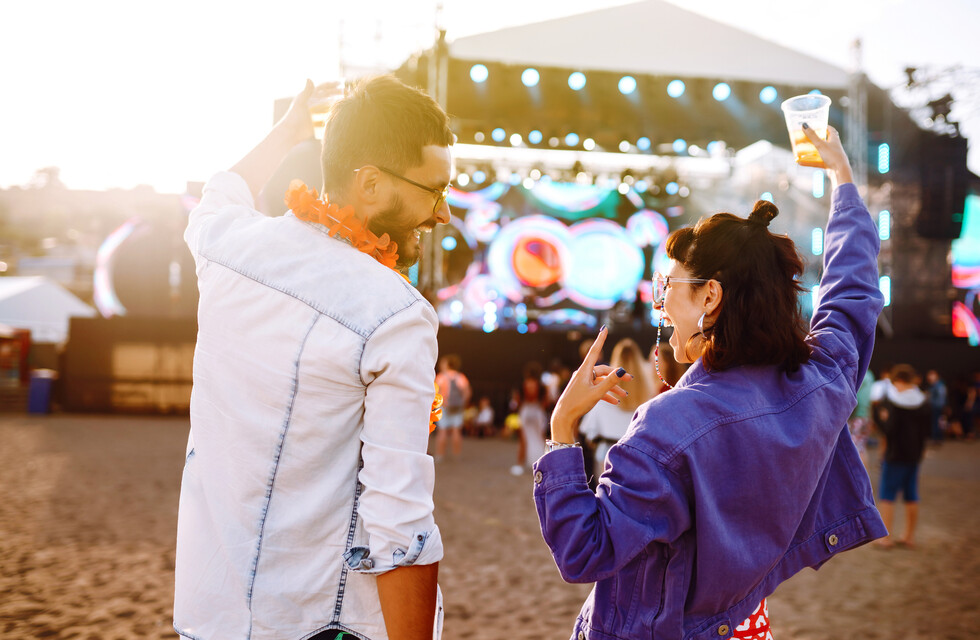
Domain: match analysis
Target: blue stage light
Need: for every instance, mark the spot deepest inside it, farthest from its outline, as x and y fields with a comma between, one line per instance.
x=815, y=92
x=680, y=145
x=721, y=92
x=643, y=144
x=571, y=140
x=535, y=137
x=530, y=77
x=627, y=85
x=766, y=196
x=672, y=188
x=449, y=243
x=818, y=186
x=768, y=95
x=884, y=224
x=675, y=89
x=884, y=158
x=479, y=73
x=816, y=241
x=479, y=177
x=498, y=134
x=576, y=80
x=640, y=186
x=885, y=285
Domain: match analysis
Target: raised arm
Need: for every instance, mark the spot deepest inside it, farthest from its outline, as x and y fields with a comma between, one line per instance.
x=296, y=126
x=845, y=317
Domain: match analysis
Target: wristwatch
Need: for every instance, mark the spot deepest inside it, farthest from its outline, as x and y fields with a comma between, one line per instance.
x=551, y=445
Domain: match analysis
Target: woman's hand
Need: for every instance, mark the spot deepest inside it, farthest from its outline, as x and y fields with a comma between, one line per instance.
x=589, y=384
x=832, y=153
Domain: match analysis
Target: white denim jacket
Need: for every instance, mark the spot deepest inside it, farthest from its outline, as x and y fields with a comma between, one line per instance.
x=306, y=471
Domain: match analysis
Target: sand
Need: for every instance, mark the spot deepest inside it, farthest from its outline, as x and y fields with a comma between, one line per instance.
x=87, y=529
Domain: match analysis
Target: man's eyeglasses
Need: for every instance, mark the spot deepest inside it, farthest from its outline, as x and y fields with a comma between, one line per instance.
x=661, y=283
x=440, y=194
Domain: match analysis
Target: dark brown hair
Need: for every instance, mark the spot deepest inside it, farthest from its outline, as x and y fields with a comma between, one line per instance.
x=380, y=121
x=760, y=321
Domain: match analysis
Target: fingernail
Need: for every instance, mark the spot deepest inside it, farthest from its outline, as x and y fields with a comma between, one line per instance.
x=602, y=328
x=806, y=126
x=620, y=372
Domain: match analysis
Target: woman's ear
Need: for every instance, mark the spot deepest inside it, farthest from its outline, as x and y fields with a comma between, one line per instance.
x=713, y=294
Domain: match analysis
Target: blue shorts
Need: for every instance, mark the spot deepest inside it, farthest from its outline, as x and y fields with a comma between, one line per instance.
x=897, y=477
x=451, y=419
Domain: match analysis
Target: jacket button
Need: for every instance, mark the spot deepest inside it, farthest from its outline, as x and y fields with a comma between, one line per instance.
x=538, y=477
x=832, y=540
x=581, y=634
x=723, y=630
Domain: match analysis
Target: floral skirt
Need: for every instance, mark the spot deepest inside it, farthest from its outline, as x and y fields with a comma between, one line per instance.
x=756, y=626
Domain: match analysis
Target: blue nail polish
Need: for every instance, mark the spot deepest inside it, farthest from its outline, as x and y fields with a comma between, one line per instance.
x=806, y=126
x=620, y=372
x=602, y=328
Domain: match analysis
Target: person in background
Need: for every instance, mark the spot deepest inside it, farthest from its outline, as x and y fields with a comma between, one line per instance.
x=484, y=422
x=533, y=418
x=903, y=418
x=605, y=424
x=306, y=499
x=744, y=473
x=937, y=404
x=859, y=424
x=456, y=392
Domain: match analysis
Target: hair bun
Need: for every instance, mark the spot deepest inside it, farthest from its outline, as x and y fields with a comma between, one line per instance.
x=763, y=212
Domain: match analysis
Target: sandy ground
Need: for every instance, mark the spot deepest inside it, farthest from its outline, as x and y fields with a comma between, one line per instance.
x=87, y=528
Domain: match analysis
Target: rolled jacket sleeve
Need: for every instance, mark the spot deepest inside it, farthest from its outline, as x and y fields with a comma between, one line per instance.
x=594, y=535
x=398, y=476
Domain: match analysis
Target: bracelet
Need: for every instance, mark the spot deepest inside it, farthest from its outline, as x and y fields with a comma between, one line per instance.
x=551, y=445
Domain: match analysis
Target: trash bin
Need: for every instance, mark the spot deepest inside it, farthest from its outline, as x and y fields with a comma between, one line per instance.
x=39, y=393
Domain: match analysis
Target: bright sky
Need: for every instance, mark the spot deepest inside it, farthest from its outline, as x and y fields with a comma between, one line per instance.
x=121, y=93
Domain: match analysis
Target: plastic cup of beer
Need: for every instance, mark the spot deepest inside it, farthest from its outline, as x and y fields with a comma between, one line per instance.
x=814, y=110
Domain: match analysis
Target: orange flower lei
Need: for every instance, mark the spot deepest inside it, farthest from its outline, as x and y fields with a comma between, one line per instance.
x=340, y=223
x=306, y=205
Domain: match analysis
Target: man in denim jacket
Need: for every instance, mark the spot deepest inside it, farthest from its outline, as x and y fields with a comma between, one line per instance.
x=306, y=499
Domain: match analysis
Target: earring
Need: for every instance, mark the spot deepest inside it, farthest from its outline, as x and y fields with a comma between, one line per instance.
x=701, y=325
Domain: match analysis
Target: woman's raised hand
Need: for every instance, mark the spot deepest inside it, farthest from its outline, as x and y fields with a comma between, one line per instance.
x=832, y=153
x=589, y=384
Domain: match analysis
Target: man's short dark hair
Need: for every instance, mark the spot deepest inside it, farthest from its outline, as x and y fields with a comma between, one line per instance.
x=382, y=122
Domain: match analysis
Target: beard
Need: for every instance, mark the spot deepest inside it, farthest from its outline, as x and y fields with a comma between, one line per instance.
x=400, y=227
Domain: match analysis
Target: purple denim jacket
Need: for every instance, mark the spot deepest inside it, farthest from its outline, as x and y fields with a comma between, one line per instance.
x=732, y=482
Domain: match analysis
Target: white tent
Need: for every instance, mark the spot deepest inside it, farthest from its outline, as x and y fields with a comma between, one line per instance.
x=41, y=305
x=654, y=38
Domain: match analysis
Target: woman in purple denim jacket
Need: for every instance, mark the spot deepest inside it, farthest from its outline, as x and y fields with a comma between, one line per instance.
x=745, y=473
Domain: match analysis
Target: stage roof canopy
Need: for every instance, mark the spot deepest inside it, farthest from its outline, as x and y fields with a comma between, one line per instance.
x=650, y=37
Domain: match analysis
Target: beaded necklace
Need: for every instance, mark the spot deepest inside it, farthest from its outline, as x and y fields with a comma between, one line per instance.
x=343, y=224
x=656, y=350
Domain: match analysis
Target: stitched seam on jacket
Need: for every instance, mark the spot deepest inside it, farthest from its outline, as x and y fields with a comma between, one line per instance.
x=370, y=334
x=364, y=333
x=730, y=419
x=342, y=585
x=275, y=469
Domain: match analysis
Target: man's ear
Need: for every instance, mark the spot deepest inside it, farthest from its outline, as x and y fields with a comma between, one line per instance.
x=366, y=188
x=713, y=293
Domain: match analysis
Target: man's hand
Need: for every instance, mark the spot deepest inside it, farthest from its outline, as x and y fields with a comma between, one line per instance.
x=832, y=153
x=260, y=163
x=298, y=122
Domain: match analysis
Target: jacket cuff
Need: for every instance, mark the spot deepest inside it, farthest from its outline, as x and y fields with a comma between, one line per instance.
x=232, y=187
x=424, y=548
x=558, y=468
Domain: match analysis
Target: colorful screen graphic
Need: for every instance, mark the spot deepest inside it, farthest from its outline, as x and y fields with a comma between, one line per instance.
x=552, y=254
x=966, y=274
